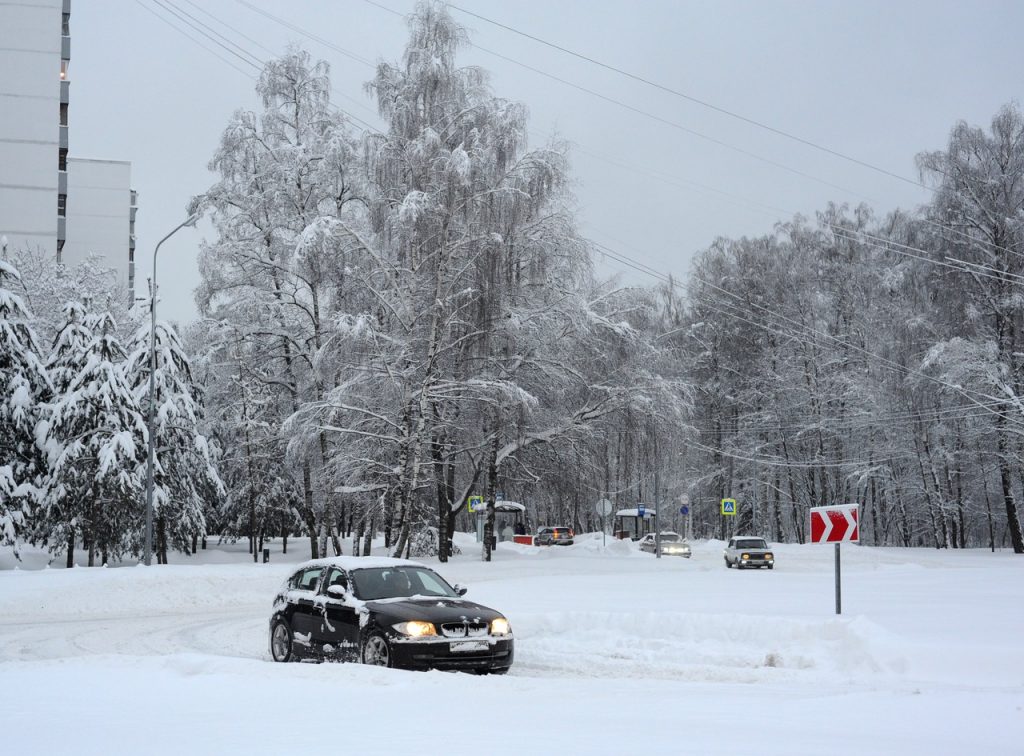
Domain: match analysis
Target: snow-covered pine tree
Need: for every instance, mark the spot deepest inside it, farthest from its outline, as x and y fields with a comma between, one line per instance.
x=184, y=469
x=97, y=435
x=24, y=387
x=55, y=527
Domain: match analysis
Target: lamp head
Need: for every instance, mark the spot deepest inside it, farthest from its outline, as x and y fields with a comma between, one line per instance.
x=196, y=207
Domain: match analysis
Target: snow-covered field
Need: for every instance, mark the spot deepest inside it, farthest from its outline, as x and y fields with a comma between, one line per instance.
x=616, y=653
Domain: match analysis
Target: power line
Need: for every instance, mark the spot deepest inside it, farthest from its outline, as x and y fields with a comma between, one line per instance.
x=843, y=232
x=197, y=25
x=232, y=28
x=194, y=40
x=211, y=37
x=691, y=98
x=307, y=34
x=213, y=31
x=266, y=49
x=652, y=116
x=782, y=166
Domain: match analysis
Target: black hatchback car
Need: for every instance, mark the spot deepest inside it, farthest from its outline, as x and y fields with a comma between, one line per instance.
x=388, y=612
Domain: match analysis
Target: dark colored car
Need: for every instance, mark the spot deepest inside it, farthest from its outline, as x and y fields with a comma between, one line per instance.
x=388, y=612
x=554, y=536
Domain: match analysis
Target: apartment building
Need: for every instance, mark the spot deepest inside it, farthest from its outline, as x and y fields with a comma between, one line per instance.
x=67, y=207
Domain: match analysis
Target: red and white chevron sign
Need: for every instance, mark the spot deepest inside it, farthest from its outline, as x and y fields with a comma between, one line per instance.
x=834, y=524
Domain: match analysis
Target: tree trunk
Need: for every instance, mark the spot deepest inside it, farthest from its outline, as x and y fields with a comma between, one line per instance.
x=1012, y=523
x=492, y=488
x=368, y=542
x=161, y=538
x=71, y=549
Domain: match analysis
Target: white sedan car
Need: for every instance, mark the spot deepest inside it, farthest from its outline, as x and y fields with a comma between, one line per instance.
x=748, y=551
x=672, y=544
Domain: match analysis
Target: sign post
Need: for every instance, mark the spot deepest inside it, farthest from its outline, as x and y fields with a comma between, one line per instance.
x=604, y=508
x=835, y=524
x=475, y=504
x=684, y=510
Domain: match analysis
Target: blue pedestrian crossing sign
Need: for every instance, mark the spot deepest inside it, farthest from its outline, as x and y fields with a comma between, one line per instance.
x=476, y=503
x=729, y=507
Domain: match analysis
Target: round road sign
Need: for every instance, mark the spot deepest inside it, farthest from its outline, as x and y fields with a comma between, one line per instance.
x=684, y=510
x=604, y=507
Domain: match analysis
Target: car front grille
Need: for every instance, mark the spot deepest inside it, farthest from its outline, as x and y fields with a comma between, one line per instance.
x=463, y=629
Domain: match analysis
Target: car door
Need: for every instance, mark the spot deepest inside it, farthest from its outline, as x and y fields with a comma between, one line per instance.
x=339, y=622
x=305, y=619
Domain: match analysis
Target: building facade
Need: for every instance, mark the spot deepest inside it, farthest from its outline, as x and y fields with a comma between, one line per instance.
x=69, y=208
x=35, y=50
x=101, y=216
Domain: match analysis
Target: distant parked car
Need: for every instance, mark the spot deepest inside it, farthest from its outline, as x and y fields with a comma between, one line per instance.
x=387, y=612
x=748, y=551
x=554, y=536
x=672, y=544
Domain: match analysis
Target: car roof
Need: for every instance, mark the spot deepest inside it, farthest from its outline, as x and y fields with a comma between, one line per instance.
x=349, y=563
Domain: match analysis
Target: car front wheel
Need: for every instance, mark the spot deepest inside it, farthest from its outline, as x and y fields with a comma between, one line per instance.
x=281, y=648
x=376, y=651
x=728, y=563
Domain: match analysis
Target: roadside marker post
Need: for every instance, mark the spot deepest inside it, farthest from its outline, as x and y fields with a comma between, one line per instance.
x=835, y=524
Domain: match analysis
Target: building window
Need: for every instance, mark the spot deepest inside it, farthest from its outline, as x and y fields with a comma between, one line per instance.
x=65, y=24
x=63, y=114
x=62, y=205
x=62, y=160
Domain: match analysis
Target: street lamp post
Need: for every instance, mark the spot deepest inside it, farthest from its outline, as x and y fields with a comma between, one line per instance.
x=151, y=431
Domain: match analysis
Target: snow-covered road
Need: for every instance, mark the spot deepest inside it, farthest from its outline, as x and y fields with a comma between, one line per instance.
x=616, y=653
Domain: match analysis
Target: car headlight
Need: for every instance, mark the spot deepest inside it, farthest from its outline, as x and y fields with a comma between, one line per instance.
x=769, y=555
x=745, y=556
x=415, y=628
x=500, y=626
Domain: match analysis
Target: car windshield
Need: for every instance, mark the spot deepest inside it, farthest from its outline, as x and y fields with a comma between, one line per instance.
x=751, y=543
x=399, y=582
x=671, y=538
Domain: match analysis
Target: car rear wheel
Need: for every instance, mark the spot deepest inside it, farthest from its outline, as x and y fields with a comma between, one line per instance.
x=376, y=651
x=281, y=647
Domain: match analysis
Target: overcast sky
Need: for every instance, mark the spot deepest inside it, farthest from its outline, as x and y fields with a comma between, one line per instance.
x=880, y=81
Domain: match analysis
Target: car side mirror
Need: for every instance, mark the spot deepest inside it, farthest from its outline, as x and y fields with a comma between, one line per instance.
x=337, y=590
x=461, y=589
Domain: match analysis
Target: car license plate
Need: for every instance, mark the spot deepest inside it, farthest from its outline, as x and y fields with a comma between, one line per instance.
x=467, y=646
